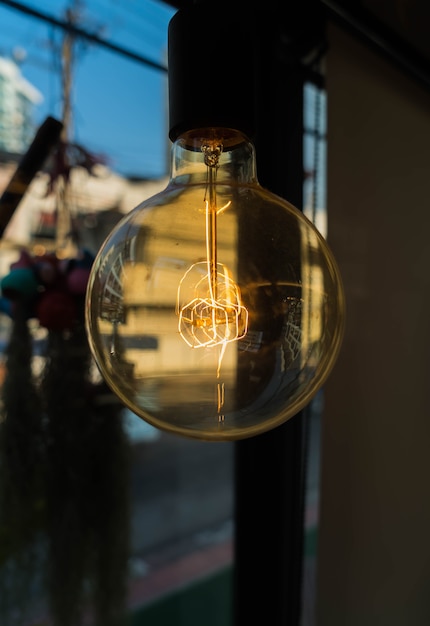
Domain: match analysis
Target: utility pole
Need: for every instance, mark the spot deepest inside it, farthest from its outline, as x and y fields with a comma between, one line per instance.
x=67, y=58
x=65, y=245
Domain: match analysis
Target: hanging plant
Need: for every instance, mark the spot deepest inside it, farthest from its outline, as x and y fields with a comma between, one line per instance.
x=21, y=454
x=85, y=452
x=68, y=156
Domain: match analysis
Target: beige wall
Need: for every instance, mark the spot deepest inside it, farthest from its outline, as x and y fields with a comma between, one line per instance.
x=374, y=547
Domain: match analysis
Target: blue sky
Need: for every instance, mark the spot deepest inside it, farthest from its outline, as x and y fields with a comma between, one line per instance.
x=119, y=105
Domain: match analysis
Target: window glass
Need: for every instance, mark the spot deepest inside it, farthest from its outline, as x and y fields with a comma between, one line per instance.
x=314, y=195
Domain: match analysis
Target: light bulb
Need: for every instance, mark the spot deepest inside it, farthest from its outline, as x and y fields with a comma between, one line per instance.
x=215, y=309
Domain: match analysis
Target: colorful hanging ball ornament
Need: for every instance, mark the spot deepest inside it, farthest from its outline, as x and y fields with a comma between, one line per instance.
x=20, y=283
x=25, y=260
x=51, y=288
x=47, y=269
x=77, y=280
x=57, y=310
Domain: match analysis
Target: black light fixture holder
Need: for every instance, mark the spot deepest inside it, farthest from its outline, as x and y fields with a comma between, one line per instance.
x=211, y=64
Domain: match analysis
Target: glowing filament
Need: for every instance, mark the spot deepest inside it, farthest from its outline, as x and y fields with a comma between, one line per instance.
x=220, y=400
x=209, y=303
x=206, y=321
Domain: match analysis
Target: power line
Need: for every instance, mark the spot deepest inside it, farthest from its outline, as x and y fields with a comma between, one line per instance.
x=151, y=30
x=77, y=31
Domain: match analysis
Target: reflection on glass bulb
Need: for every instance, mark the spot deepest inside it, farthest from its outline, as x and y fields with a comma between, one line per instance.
x=215, y=309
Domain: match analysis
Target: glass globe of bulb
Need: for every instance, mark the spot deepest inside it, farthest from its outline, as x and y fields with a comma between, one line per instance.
x=215, y=309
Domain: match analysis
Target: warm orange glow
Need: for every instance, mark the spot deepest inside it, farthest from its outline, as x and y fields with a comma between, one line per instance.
x=209, y=303
x=206, y=321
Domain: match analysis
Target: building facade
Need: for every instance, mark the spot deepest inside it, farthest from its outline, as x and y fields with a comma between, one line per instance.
x=17, y=100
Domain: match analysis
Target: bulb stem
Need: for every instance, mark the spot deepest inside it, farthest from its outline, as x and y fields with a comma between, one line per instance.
x=212, y=151
x=212, y=235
